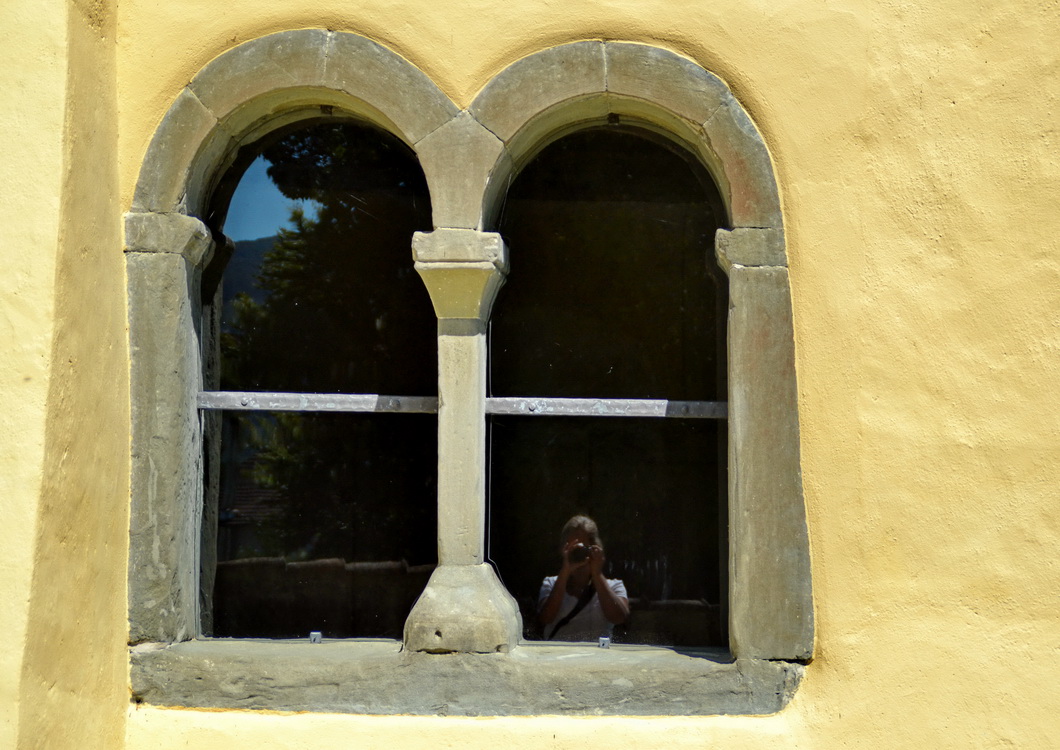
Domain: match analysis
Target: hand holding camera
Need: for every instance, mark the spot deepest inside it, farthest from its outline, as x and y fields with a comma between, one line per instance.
x=578, y=554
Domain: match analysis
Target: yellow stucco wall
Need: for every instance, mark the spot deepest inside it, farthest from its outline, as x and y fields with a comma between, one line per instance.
x=32, y=61
x=64, y=463
x=915, y=145
x=74, y=667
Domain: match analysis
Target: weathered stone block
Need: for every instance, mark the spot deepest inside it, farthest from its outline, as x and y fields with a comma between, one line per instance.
x=166, y=464
x=753, y=199
x=771, y=615
x=458, y=160
x=167, y=233
x=389, y=84
x=665, y=79
x=262, y=66
x=167, y=169
x=534, y=679
x=535, y=83
x=460, y=246
x=750, y=247
x=464, y=609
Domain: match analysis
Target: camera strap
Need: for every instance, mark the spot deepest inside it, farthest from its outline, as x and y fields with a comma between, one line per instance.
x=583, y=600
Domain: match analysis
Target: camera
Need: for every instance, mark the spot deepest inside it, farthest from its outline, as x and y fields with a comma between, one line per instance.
x=579, y=554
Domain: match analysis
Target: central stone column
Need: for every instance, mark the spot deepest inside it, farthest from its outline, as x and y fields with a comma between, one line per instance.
x=464, y=607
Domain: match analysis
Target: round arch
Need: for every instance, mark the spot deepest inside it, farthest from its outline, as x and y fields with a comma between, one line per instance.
x=546, y=95
x=254, y=89
x=269, y=83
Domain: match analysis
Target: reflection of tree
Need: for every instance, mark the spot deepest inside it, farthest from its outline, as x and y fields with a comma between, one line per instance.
x=340, y=286
x=358, y=487
x=340, y=310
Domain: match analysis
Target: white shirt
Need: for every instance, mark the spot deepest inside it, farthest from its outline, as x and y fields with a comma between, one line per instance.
x=587, y=625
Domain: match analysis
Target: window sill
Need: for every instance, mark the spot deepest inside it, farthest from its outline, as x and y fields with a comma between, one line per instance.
x=377, y=677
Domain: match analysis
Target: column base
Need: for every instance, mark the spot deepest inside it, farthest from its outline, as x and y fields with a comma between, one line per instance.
x=464, y=609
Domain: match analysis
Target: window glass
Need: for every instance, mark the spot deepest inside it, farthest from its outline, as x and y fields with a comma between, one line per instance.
x=614, y=293
x=331, y=303
x=325, y=521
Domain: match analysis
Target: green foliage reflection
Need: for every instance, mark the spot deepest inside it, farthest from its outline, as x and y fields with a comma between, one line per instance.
x=335, y=306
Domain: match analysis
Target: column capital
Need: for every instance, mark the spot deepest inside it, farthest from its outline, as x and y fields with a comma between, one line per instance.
x=168, y=233
x=463, y=269
x=460, y=246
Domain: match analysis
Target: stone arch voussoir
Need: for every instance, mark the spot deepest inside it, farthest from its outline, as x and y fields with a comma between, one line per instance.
x=539, y=98
x=270, y=82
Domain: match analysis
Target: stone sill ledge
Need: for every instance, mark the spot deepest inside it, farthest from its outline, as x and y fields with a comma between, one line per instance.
x=378, y=677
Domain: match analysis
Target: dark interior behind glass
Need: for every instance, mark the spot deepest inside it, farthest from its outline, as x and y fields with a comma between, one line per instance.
x=614, y=292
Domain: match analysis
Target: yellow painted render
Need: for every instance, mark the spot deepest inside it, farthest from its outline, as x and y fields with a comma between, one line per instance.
x=916, y=146
x=64, y=394
x=74, y=670
x=33, y=74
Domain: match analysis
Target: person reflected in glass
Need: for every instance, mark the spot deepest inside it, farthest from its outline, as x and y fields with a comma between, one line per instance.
x=580, y=604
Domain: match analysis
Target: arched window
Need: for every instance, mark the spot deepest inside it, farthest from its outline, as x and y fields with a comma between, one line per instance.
x=581, y=98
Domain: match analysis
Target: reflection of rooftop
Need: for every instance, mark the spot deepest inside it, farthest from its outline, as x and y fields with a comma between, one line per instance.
x=250, y=504
x=270, y=597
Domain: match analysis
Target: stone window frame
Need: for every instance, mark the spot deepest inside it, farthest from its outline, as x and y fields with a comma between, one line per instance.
x=468, y=158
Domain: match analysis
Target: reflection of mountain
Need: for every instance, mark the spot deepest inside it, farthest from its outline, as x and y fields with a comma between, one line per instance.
x=242, y=270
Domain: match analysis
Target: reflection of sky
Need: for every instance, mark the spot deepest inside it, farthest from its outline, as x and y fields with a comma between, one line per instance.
x=258, y=209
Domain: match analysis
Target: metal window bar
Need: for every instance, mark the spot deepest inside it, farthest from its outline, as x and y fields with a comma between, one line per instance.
x=528, y=406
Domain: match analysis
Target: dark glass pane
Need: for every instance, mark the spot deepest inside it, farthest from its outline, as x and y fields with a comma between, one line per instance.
x=614, y=292
x=333, y=304
x=326, y=522
x=652, y=486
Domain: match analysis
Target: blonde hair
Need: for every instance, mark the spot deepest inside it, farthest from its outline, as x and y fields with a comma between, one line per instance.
x=581, y=523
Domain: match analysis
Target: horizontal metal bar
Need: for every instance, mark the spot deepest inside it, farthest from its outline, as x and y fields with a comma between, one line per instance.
x=517, y=405
x=340, y=402
x=607, y=407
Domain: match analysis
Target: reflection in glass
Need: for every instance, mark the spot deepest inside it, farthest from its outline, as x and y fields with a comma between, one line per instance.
x=332, y=304
x=325, y=521
x=614, y=292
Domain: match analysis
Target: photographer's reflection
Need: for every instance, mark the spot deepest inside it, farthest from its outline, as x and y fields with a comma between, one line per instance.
x=580, y=604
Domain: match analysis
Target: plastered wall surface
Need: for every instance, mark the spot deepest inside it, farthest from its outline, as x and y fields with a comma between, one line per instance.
x=914, y=145
x=65, y=391
x=33, y=61
x=913, y=148
x=74, y=656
